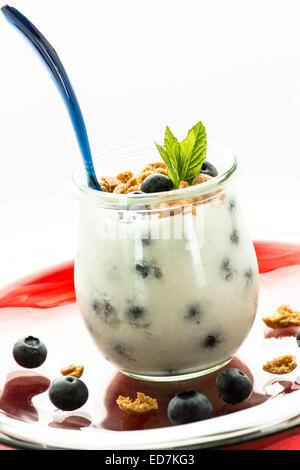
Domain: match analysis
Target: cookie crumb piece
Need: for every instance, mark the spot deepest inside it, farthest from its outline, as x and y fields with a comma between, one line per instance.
x=281, y=365
x=183, y=184
x=109, y=183
x=142, y=404
x=201, y=178
x=75, y=371
x=124, y=176
x=283, y=317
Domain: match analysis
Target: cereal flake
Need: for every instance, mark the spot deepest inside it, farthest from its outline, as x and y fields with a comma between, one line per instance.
x=120, y=189
x=281, y=365
x=124, y=176
x=142, y=404
x=109, y=183
x=201, y=178
x=283, y=317
x=75, y=371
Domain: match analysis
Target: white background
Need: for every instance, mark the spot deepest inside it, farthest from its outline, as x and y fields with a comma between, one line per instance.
x=136, y=66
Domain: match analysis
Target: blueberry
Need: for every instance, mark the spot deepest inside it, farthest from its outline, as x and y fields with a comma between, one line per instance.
x=157, y=272
x=146, y=241
x=143, y=269
x=137, y=316
x=156, y=183
x=234, y=386
x=210, y=341
x=298, y=338
x=68, y=393
x=187, y=407
x=231, y=205
x=249, y=276
x=105, y=311
x=122, y=351
x=234, y=237
x=227, y=271
x=208, y=169
x=29, y=352
x=194, y=313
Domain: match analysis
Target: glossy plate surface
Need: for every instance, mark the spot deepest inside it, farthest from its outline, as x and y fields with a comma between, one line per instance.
x=44, y=305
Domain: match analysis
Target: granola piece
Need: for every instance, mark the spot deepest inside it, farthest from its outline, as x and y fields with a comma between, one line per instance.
x=143, y=175
x=75, y=371
x=183, y=184
x=283, y=317
x=131, y=182
x=142, y=404
x=155, y=166
x=124, y=176
x=281, y=365
x=161, y=171
x=109, y=183
x=120, y=189
x=133, y=188
x=201, y=178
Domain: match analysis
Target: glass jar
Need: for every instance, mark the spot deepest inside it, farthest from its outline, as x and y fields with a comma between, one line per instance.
x=167, y=283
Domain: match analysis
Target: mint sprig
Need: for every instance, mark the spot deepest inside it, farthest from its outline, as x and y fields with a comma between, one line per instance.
x=184, y=159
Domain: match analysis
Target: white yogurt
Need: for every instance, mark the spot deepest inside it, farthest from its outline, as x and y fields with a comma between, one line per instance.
x=180, y=301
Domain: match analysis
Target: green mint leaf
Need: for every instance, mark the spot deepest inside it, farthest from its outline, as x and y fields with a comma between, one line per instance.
x=171, y=170
x=173, y=149
x=198, y=153
x=186, y=153
x=184, y=159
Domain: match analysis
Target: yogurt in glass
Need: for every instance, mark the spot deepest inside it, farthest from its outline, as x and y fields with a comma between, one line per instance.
x=167, y=283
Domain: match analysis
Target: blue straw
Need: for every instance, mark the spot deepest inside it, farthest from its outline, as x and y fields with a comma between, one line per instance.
x=62, y=82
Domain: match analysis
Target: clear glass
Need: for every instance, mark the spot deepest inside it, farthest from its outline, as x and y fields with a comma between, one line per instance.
x=167, y=283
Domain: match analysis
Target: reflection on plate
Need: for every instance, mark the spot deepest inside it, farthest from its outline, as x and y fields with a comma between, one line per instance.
x=44, y=305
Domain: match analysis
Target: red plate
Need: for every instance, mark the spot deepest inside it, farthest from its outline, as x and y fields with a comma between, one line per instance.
x=44, y=305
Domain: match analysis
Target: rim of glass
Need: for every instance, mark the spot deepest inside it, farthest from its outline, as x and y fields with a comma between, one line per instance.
x=81, y=190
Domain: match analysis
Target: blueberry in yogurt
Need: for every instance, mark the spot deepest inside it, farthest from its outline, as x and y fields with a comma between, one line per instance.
x=227, y=270
x=105, y=310
x=209, y=169
x=156, y=183
x=211, y=341
x=136, y=316
x=234, y=237
x=193, y=313
x=143, y=269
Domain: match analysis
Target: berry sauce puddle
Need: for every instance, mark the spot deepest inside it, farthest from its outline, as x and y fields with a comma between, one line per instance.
x=44, y=305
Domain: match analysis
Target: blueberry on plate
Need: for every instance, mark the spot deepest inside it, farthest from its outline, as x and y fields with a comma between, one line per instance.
x=234, y=385
x=208, y=169
x=156, y=183
x=29, y=352
x=68, y=393
x=298, y=337
x=187, y=407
